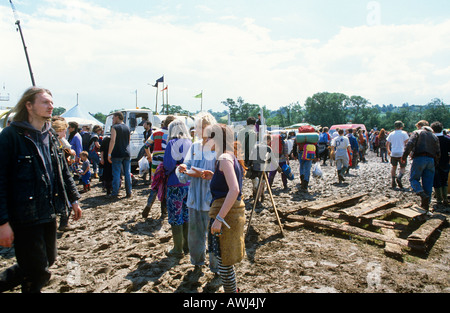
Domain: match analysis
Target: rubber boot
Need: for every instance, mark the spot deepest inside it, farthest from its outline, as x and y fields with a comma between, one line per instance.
x=302, y=185
x=305, y=185
x=263, y=188
x=11, y=278
x=185, y=238
x=177, y=236
x=399, y=180
x=150, y=201
x=445, y=195
x=438, y=195
x=163, y=207
x=341, y=175
x=425, y=204
x=394, y=184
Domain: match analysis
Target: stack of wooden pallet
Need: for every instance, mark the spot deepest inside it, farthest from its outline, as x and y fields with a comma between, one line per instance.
x=366, y=217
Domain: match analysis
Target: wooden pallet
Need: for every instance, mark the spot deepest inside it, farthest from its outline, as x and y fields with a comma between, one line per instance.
x=364, y=217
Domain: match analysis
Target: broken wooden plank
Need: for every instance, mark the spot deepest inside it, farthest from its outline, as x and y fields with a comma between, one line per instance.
x=335, y=203
x=379, y=214
x=360, y=206
x=424, y=232
x=387, y=224
x=349, y=229
x=293, y=225
x=411, y=212
x=363, y=220
x=285, y=211
x=365, y=208
x=391, y=249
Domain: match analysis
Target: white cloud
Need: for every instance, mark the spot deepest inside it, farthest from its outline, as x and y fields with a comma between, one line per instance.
x=105, y=55
x=204, y=8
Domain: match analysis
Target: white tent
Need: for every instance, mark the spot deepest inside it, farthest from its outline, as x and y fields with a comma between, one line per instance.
x=76, y=114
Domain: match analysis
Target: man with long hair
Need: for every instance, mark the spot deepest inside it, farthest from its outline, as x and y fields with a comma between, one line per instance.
x=35, y=186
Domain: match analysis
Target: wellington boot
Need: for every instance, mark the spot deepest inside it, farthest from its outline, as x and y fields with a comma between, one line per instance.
x=150, y=201
x=146, y=211
x=185, y=238
x=399, y=181
x=341, y=176
x=438, y=195
x=302, y=185
x=177, y=236
x=445, y=195
x=163, y=208
x=305, y=185
x=394, y=184
x=425, y=204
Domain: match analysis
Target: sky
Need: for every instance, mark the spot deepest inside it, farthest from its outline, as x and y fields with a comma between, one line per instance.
x=109, y=53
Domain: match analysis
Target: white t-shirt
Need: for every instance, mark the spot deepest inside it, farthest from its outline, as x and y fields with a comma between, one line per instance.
x=341, y=143
x=397, y=140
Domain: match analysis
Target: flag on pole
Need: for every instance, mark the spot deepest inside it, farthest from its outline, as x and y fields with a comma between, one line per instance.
x=200, y=95
x=165, y=88
x=263, y=120
x=159, y=80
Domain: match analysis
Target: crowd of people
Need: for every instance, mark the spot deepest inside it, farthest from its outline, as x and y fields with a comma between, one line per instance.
x=197, y=179
x=428, y=147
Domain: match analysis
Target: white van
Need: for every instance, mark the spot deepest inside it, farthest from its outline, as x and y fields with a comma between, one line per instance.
x=134, y=119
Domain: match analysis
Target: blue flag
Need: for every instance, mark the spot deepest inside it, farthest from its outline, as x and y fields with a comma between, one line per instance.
x=159, y=80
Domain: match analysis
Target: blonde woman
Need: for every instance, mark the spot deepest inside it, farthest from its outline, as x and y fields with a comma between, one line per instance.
x=177, y=192
x=199, y=157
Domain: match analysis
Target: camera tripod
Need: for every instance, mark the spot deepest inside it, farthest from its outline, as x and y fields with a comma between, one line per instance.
x=264, y=180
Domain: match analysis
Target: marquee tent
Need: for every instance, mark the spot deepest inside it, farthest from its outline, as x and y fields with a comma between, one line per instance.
x=76, y=114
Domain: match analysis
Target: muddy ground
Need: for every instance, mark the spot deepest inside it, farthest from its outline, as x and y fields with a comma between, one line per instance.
x=113, y=249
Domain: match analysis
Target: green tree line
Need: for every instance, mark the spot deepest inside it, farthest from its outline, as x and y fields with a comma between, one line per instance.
x=325, y=109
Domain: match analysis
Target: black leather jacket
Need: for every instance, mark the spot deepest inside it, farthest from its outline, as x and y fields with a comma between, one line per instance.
x=35, y=181
x=423, y=142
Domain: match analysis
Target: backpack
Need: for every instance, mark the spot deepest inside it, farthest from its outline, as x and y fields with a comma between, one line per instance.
x=279, y=139
x=323, y=138
x=85, y=138
x=306, y=129
x=92, y=143
x=309, y=152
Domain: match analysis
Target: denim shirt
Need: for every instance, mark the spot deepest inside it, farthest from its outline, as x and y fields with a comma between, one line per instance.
x=174, y=155
x=199, y=197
